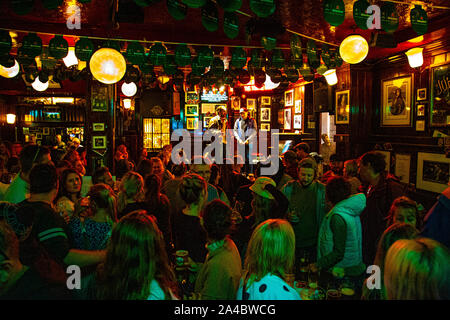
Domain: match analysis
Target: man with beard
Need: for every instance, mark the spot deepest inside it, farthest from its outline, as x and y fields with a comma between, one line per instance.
x=306, y=209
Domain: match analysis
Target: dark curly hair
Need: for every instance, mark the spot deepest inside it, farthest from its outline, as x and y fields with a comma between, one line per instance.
x=217, y=219
x=191, y=188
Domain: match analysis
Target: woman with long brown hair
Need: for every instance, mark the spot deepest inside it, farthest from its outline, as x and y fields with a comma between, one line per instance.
x=136, y=265
x=131, y=194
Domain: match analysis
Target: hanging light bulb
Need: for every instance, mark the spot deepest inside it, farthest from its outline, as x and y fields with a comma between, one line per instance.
x=127, y=103
x=415, y=57
x=39, y=86
x=354, y=49
x=107, y=65
x=71, y=59
x=10, y=118
x=331, y=77
x=10, y=72
x=129, y=89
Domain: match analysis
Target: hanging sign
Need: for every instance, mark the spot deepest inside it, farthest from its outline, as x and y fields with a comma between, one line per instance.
x=419, y=20
x=269, y=43
x=22, y=7
x=238, y=58
x=359, y=13
x=84, y=48
x=389, y=17
x=325, y=54
x=182, y=55
x=334, y=12
x=311, y=51
x=158, y=54
x=230, y=5
x=177, y=9
x=58, y=47
x=205, y=57
x=210, y=16
x=231, y=24
x=31, y=45
x=135, y=53
x=214, y=97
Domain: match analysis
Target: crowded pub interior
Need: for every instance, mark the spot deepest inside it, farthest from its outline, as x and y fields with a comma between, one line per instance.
x=225, y=150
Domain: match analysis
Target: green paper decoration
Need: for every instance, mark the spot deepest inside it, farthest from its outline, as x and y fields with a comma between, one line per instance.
x=389, y=17
x=359, y=13
x=194, y=3
x=177, y=9
x=84, y=49
x=311, y=50
x=197, y=68
x=334, y=12
x=419, y=20
x=230, y=5
x=158, y=54
x=135, y=53
x=292, y=75
x=218, y=67
x=238, y=58
x=52, y=4
x=231, y=24
x=31, y=45
x=5, y=42
x=170, y=67
x=326, y=54
x=58, y=47
x=210, y=16
x=22, y=7
x=263, y=8
x=268, y=43
x=182, y=55
x=278, y=59
x=205, y=57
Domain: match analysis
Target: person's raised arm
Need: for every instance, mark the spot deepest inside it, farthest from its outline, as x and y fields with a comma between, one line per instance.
x=83, y=258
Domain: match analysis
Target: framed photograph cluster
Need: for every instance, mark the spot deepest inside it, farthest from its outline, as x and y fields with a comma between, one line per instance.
x=433, y=171
x=396, y=102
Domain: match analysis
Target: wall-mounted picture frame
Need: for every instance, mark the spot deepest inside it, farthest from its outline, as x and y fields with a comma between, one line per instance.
x=251, y=104
x=98, y=127
x=421, y=94
x=266, y=101
x=387, y=158
x=298, y=106
x=420, y=125
x=38, y=136
x=265, y=126
x=46, y=131
x=235, y=102
x=420, y=110
x=265, y=114
x=99, y=142
x=297, y=121
x=402, y=167
x=208, y=108
x=191, y=110
x=287, y=119
x=289, y=98
x=311, y=121
x=192, y=123
x=433, y=171
x=440, y=90
x=342, y=107
x=206, y=120
x=99, y=97
x=192, y=97
x=396, y=102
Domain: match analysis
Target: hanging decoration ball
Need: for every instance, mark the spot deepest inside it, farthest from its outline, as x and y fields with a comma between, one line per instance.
x=52, y=4
x=177, y=9
x=284, y=83
x=277, y=59
x=84, y=48
x=218, y=67
x=359, y=13
x=5, y=42
x=22, y=7
x=194, y=3
x=419, y=20
x=10, y=72
x=31, y=45
x=158, y=54
x=107, y=65
x=389, y=17
x=58, y=47
x=354, y=49
x=263, y=8
x=129, y=89
x=311, y=51
x=244, y=76
x=269, y=43
x=40, y=86
x=135, y=53
x=334, y=12
x=210, y=16
x=170, y=67
x=238, y=58
x=231, y=24
x=182, y=55
x=197, y=68
x=292, y=75
x=205, y=56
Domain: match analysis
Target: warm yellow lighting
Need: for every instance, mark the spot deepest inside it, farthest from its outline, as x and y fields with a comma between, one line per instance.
x=415, y=57
x=331, y=77
x=269, y=85
x=71, y=59
x=63, y=100
x=354, y=49
x=129, y=89
x=127, y=103
x=163, y=79
x=107, y=65
x=11, y=118
x=222, y=89
x=39, y=86
x=10, y=72
x=416, y=40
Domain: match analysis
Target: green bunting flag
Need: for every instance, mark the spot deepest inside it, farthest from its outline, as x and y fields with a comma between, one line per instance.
x=334, y=12
x=419, y=20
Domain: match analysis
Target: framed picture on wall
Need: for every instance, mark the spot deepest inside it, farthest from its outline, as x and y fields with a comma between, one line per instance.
x=289, y=98
x=46, y=131
x=191, y=123
x=287, y=119
x=420, y=110
x=206, y=121
x=265, y=114
x=440, y=92
x=402, y=166
x=191, y=110
x=192, y=97
x=396, y=102
x=208, y=108
x=298, y=106
x=422, y=94
x=235, y=102
x=265, y=126
x=265, y=101
x=297, y=121
x=343, y=107
x=251, y=103
x=98, y=127
x=99, y=142
x=433, y=171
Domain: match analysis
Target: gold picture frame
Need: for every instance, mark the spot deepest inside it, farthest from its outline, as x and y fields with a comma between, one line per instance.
x=433, y=171
x=342, y=107
x=396, y=103
x=192, y=123
x=289, y=98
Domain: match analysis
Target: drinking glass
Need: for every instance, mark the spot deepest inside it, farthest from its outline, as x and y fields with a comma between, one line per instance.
x=313, y=279
x=347, y=289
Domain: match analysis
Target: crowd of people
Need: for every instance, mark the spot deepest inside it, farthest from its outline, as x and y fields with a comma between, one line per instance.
x=200, y=230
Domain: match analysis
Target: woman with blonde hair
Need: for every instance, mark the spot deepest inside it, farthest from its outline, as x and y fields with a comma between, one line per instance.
x=351, y=173
x=136, y=265
x=269, y=258
x=417, y=269
x=131, y=194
